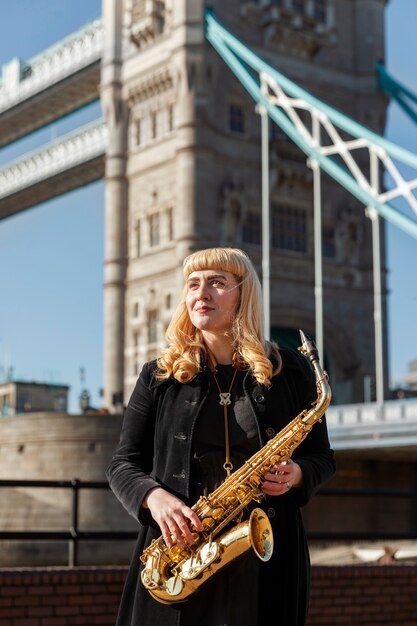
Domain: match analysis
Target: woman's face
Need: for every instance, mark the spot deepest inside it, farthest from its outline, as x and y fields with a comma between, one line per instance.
x=211, y=300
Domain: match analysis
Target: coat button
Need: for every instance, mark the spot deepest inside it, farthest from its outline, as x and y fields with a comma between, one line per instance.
x=181, y=436
x=270, y=432
x=259, y=398
x=271, y=512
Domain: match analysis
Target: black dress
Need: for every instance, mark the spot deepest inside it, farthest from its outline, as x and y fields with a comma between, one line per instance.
x=230, y=597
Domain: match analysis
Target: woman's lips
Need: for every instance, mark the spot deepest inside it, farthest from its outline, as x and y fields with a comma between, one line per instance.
x=204, y=309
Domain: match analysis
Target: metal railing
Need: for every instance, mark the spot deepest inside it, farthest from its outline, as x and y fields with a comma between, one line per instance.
x=74, y=535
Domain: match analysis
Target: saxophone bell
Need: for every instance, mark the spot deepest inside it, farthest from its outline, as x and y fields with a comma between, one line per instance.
x=184, y=579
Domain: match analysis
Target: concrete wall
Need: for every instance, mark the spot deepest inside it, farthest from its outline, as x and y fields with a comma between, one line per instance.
x=58, y=446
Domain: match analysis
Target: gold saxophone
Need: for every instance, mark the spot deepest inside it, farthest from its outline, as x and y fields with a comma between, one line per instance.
x=172, y=574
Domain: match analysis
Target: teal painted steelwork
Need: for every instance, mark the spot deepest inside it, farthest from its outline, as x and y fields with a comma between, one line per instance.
x=241, y=60
x=398, y=92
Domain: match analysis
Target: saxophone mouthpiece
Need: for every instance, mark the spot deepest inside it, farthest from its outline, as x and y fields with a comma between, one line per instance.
x=308, y=347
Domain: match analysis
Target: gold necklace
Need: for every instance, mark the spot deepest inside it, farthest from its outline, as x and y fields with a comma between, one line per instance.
x=225, y=401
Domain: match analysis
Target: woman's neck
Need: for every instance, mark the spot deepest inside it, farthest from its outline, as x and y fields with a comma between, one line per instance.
x=219, y=348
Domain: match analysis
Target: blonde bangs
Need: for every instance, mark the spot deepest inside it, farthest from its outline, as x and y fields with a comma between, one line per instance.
x=230, y=260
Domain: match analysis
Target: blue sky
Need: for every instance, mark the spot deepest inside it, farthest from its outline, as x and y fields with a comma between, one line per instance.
x=51, y=256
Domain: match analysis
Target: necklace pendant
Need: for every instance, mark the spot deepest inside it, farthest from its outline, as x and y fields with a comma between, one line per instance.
x=225, y=399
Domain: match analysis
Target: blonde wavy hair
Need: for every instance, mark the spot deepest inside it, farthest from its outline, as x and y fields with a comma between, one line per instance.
x=186, y=352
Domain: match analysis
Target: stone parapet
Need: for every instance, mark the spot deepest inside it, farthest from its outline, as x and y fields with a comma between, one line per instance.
x=58, y=446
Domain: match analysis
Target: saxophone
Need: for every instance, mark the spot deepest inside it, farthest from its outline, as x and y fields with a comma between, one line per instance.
x=172, y=574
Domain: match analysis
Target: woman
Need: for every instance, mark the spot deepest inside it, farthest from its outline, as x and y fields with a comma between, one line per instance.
x=178, y=442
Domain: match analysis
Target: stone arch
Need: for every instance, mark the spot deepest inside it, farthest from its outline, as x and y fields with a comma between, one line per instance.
x=340, y=358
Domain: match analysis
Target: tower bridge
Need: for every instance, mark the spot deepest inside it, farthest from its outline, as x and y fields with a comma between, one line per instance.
x=69, y=75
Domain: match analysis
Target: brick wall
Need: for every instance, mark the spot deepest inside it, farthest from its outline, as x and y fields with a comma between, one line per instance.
x=364, y=595
x=84, y=596
x=55, y=596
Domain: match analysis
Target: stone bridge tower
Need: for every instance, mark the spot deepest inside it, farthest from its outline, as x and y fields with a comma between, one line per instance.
x=183, y=171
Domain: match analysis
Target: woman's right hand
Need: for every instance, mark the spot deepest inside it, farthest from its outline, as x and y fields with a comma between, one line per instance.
x=173, y=517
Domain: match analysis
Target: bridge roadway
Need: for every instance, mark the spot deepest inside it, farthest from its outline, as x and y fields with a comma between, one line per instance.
x=389, y=428
x=73, y=160
x=53, y=84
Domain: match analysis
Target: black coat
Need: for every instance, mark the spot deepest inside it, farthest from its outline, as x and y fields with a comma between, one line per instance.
x=155, y=449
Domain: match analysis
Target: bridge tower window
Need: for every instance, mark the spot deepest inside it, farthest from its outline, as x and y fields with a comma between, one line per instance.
x=251, y=230
x=154, y=230
x=154, y=125
x=170, y=224
x=152, y=326
x=236, y=118
x=289, y=228
x=138, y=132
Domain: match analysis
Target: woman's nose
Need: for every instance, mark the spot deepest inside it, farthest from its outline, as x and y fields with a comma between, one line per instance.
x=203, y=293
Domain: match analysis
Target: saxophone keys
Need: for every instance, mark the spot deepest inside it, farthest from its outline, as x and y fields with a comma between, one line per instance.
x=174, y=585
x=199, y=562
x=151, y=578
x=208, y=523
x=209, y=552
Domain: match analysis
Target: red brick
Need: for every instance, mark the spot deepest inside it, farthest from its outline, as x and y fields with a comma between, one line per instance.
x=68, y=589
x=80, y=620
x=54, y=621
x=9, y=592
x=51, y=600
x=104, y=619
x=108, y=599
x=81, y=599
x=5, y=602
x=27, y=601
x=95, y=589
x=13, y=612
x=67, y=610
x=40, y=590
x=91, y=609
x=41, y=611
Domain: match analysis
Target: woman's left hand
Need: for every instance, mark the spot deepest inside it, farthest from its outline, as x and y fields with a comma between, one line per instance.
x=282, y=477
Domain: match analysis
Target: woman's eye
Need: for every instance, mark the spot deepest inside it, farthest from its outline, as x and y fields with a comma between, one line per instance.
x=217, y=283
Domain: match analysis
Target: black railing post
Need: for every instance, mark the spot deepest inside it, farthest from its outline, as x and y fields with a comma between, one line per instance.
x=73, y=542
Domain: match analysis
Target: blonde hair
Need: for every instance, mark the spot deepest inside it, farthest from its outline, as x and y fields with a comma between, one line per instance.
x=186, y=351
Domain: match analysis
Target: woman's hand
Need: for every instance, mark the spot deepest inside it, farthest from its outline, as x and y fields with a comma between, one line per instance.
x=282, y=477
x=173, y=517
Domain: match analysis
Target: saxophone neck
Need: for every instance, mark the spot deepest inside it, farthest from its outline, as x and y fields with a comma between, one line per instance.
x=309, y=350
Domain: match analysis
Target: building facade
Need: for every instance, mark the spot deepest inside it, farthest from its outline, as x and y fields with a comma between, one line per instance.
x=17, y=397
x=183, y=171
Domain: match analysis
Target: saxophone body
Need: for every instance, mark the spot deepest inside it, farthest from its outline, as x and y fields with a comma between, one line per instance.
x=172, y=574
